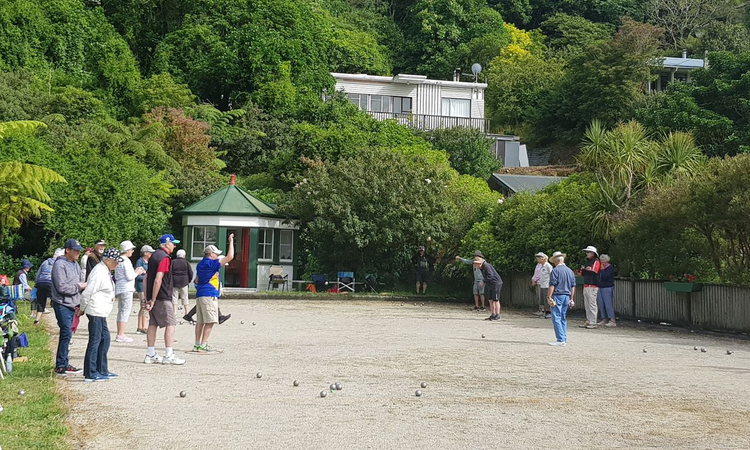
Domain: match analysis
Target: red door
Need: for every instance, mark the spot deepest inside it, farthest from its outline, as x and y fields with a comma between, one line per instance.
x=236, y=271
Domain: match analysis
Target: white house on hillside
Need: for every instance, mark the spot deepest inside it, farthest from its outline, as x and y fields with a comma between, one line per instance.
x=417, y=101
x=676, y=69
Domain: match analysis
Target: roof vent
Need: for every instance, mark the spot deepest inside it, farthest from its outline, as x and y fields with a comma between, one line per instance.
x=684, y=54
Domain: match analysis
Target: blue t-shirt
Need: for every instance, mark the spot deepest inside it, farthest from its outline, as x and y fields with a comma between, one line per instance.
x=207, y=278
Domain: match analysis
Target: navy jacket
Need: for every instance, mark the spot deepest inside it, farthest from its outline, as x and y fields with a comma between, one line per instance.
x=607, y=277
x=491, y=276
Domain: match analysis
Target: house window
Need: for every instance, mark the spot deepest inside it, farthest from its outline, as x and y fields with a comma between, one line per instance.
x=380, y=103
x=286, y=245
x=360, y=100
x=265, y=244
x=456, y=107
x=402, y=105
x=202, y=238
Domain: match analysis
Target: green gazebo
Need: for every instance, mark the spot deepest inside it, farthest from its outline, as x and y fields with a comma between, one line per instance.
x=262, y=238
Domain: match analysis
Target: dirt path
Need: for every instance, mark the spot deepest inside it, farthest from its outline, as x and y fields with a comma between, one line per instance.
x=509, y=390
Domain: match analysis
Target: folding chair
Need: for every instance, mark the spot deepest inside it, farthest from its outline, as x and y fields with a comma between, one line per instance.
x=277, y=278
x=371, y=281
x=345, y=281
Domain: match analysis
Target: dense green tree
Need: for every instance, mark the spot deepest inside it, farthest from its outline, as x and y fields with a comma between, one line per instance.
x=574, y=33
x=468, y=151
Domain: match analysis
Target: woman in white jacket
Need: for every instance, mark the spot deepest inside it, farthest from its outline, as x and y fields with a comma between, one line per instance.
x=97, y=301
x=124, y=288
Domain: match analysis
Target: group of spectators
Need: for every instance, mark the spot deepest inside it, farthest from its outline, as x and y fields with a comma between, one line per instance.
x=89, y=288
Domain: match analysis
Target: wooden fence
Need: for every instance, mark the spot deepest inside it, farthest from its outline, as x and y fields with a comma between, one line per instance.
x=719, y=307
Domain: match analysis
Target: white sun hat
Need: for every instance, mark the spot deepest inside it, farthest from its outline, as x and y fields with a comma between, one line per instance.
x=591, y=249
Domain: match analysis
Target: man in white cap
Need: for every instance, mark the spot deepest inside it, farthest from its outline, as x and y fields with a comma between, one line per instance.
x=125, y=277
x=562, y=289
x=590, y=272
x=207, y=285
x=540, y=280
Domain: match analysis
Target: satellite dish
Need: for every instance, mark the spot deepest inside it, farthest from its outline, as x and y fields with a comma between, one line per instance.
x=476, y=69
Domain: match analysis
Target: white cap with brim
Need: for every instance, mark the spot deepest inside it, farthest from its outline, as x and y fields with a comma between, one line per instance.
x=541, y=255
x=212, y=249
x=558, y=255
x=126, y=246
x=147, y=249
x=591, y=249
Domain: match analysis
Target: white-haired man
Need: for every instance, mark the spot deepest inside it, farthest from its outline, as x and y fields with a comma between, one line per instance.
x=562, y=288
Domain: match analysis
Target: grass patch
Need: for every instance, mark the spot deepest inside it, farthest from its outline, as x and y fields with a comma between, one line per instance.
x=35, y=420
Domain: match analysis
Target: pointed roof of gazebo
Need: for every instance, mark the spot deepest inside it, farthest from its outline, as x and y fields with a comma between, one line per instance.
x=230, y=201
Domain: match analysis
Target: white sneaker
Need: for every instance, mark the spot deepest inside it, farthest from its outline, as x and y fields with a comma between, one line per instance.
x=172, y=359
x=123, y=339
x=558, y=344
x=156, y=359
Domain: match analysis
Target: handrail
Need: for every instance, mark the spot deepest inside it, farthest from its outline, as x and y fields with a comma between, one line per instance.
x=433, y=122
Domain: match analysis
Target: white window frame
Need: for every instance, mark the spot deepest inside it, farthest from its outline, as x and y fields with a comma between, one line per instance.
x=386, y=104
x=290, y=245
x=204, y=242
x=360, y=97
x=265, y=243
x=450, y=100
x=400, y=101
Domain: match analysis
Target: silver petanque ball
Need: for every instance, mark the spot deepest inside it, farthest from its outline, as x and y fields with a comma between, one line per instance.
x=332, y=387
x=323, y=394
x=242, y=322
x=645, y=351
x=695, y=348
x=482, y=336
x=296, y=383
x=21, y=392
x=183, y=394
x=703, y=350
x=418, y=393
x=339, y=386
x=259, y=375
x=180, y=322
x=424, y=385
x=253, y=323
x=729, y=352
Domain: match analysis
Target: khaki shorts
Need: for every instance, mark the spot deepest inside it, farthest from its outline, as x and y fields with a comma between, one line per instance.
x=207, y=310
x=162, y=314
x=180, y=296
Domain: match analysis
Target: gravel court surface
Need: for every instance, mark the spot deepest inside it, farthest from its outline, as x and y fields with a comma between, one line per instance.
x=509, y=390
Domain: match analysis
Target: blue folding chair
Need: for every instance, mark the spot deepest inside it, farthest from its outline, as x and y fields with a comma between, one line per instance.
x=345, y=281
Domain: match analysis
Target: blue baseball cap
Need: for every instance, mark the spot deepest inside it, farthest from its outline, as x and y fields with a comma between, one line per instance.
x=73, y=245
x=26, y=264
x=167, y=238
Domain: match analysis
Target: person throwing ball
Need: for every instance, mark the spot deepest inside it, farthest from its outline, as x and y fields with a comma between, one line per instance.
x=207, y=285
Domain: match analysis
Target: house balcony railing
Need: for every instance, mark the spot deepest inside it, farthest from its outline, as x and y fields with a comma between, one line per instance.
x=428, y=122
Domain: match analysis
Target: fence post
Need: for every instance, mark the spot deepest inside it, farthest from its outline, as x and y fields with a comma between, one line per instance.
x=632, y=297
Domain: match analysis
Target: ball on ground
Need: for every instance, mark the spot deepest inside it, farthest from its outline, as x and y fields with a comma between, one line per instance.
x=21, y=392
x=695, y=348
x=296, y=383
x=703, y=350
x=323, y=393
x=259, y=375
x=332, y=387
x=253, y=323
x=339, y=386
x=482, y=336
x=418, y=393
x=424, y=385
x=242, y=322
x=729, y=352
x=1, y=408
x=645, y=351
x=183, y=394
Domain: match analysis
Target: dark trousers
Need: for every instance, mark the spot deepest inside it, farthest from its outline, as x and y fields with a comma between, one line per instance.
x=64, y=317
x=43, y=292
x=95, y=361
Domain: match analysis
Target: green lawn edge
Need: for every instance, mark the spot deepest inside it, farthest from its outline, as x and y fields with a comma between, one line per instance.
x=37, y=419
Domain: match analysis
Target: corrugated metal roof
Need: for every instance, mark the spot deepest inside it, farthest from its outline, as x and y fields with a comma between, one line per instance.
x=683, y=63
x=230, y=201
x=525, y=183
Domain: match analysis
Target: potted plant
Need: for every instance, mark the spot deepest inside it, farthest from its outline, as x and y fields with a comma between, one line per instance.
x=682, y=283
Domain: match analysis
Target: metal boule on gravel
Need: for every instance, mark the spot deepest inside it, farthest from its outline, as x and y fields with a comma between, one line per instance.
x=695, y=348
x=703, y=350
x=339, y=386
x=242, y=322
x=295, y=383
x=180, y=322
x=259, y=375
x=482, y=336
x=645, y=351
x=323, y=393
x=21, y=392
x=418, y=393
x=424, y=385
x=253, y=323
x=332, y=387
x=729, y=352
x=183, y=394
x=415, y=304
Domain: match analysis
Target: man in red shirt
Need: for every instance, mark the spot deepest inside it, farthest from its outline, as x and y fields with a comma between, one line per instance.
x=590, y=273
x=158, y=292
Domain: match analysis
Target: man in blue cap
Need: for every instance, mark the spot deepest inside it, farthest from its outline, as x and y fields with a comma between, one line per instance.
x=67, y=285
x=158, y=292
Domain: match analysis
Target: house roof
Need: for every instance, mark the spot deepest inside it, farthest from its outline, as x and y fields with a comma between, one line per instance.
x=403, y=78
x=683, y=63
x=525, y=183
x=230, y=201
